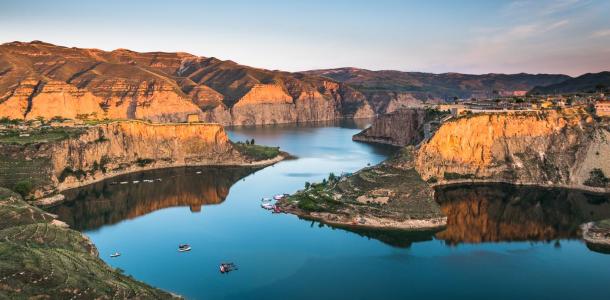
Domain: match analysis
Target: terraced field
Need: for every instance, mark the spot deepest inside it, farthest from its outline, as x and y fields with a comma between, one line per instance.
x=41, y=258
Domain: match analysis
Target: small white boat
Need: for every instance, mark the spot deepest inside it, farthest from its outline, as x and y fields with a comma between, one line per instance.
x=267, y=205
x=198, y=172
x=158, y=179
x=148, y=180
x=136, y=181
x=184, y=248
x=124, y=182
x=278, y=197
x=266, y=199
x=115, y=254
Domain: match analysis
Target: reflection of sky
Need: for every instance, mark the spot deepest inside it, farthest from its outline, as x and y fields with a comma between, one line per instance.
x=283, y=257
x=508, y=36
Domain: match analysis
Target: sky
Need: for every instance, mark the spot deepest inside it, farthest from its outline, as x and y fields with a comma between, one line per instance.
x=494, y=36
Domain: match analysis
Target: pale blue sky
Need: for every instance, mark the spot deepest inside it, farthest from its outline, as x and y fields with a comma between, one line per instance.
x=537, y=36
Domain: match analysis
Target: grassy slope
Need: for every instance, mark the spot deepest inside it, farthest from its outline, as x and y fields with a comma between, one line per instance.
x=410, y=197
x=40, y=259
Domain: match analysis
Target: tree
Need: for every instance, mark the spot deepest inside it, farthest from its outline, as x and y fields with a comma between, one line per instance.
x=332, y=177
x=252, y=142
x=23, y=187
x=307, y=184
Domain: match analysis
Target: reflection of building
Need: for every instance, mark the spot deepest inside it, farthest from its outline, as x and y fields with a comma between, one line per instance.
x=602, y=108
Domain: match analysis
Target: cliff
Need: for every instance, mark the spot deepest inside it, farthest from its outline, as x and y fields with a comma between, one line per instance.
x=43, y=80
x=38, y=79
x=400, y=128
x=547, y=148
x=109, y=149
x=43, y=259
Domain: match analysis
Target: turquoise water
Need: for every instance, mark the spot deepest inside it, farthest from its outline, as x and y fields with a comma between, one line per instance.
x=501, y=242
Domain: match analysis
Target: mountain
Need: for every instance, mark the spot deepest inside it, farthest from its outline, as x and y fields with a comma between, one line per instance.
x=590, y=82
x=38, y=79
x=389, y=89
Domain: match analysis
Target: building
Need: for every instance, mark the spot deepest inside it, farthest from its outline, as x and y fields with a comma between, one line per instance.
x=602, y=108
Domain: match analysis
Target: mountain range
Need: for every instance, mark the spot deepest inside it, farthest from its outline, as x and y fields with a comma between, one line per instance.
x=39, y=79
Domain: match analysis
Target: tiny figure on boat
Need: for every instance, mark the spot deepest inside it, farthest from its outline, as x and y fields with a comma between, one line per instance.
x=115, y=254
x=184, y=247
x=227, y=267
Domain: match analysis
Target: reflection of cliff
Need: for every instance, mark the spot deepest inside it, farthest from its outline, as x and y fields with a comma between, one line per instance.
x=104, y=203
x=492, y=213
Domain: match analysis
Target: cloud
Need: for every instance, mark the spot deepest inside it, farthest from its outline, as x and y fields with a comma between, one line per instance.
x=601, y=33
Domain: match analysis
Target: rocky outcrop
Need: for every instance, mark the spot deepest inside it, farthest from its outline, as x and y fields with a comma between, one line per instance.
x=390, y=195
x=41, y=80
x=400, y=128
x=42, y=259
x=597, y=235
x=116, y=148
x=546, y=148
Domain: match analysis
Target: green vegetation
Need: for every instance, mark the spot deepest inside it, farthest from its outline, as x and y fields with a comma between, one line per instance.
x=457, y=176
x=597, y=178
x=40, y=260
x=41, y=135
x=142, y=162
x=256, y=152
x=23, y=187
x=67, y=171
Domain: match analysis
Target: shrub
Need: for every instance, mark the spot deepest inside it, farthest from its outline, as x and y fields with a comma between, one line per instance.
x=23, y=188
x=144, y=161
x=597, y=178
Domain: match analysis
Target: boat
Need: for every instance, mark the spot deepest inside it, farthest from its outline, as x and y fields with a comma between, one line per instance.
x=124, y=182
x=136, y=181
x=266, y=199
x=278, y=196
x=198, y=172
x=115, y=254
x=184, y=247
x=227, y=267
x=267, y=205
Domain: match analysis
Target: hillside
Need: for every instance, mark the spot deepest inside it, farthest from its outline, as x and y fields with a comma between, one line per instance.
x=590, y=82
x=43, y=259
x=38, y=79
x=386, y=89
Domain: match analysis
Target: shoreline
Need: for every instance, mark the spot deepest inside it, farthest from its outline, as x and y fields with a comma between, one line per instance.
x=585, y=188
x=53, y=198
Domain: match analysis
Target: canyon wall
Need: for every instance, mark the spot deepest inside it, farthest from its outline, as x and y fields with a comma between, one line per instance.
x=400, y=128
x=116, y=148
x=548, y=148
x=41, y=80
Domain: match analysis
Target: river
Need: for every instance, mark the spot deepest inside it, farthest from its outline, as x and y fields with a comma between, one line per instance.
x=501, y=242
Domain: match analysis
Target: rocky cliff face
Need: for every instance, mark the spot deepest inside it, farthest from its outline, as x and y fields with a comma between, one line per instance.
x=115, y=148
x=43, y=80
x=400, y=128
x=543, y=148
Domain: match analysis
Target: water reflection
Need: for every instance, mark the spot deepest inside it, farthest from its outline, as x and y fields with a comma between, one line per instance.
x=501, y=212
x=133, y=195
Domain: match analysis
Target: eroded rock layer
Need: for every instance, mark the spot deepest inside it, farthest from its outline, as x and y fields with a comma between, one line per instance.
x=40, y=80
x=115, y=148
x=549, y=148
